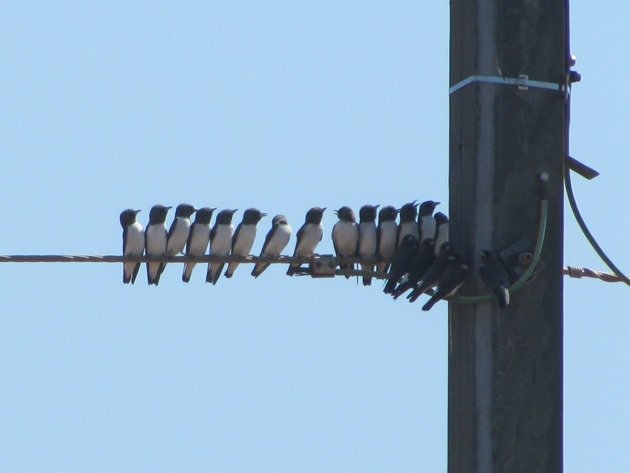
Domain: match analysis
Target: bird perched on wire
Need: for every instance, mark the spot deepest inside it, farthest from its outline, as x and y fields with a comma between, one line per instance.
x=345, y=236
x=451, y=279
x=408, y=224
x=155, y=241
x=441, y=231
x=244, y=237
x=220, y=243
x=198, y=239
x=308, y=236
x=133, y=243
x=495, y=276
x=276, y=241
x=400, y=264
x=419, y=265
x=178, y=231
x=432, y=275
x=386, y=235
x=367, y=238
x=426, y=220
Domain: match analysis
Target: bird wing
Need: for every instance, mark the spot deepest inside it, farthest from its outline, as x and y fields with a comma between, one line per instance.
x=235, y=236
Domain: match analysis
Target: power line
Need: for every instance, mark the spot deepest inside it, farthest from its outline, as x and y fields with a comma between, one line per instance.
x=571, y=271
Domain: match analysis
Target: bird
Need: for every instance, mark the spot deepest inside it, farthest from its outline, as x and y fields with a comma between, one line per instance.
x=367, y=238
x=198, y=239
x=345, y=236
x=422, y=260
x=276, y=240
x=386, y=235
x=220, y=243
x=426, y=221
x=178, y=231
x=495, y=276
x=408, y=224
x=400, y=264
x=451, y=279
x=308, y=236
x=432, y=274
x=244, y=237
x=133, y=243
x=155, y=241
x=441, y=231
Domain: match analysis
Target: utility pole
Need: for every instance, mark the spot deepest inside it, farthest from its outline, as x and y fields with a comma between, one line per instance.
x=505, y=366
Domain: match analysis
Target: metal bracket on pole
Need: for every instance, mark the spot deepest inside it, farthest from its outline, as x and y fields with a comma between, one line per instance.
x=522, y=82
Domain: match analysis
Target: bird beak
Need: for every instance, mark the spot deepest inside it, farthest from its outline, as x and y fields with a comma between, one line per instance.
x=324, y=208
x=169, y=207
x=336, y=212
x=233, y=211
x=262, y=214
x=195, y=209
x=376, y=206
x=438, y=203
x=137, y=211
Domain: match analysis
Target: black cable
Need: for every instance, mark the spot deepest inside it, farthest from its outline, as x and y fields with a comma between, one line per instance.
x=586, y=231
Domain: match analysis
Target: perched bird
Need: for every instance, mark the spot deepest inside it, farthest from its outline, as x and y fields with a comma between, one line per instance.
x=400, y=264
x=386, y=235
x=419, y=264
x=495, y=276
x=198, y=239
x=308, y=236
x=441, y=231
x=426, y=221
x=220, y=243
x=367, y=238
x=179, y=230
x=432, y=275
x=345, y=236
x=408, y=224
x=451, y=279
x=155, y=241
x=244, y=237
x=276, y=241
x=133, y=243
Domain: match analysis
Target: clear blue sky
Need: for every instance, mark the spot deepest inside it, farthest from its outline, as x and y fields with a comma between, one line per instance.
x=282, y=106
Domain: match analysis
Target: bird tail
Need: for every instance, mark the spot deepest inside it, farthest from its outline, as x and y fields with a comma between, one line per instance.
x=259, y=268
x=214, y=272
x=188, y=269
x=367, y=280
x=292, y=270
x=430, y=303
x=390, y=286
x=230, y=270
x=153, y=273
x=417, y=291
x=401, y=289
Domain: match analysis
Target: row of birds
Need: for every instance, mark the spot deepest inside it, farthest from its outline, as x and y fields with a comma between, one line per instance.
x=350, y=239
x=418, y=246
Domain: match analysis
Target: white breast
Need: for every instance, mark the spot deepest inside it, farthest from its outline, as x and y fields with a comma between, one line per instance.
x=408, y=228
x=135, y=240
x=156, y=240
x=387, y=245
x=222, y=243
x=177, y=239
x=246, y=237
x=279, y=241
x=346, y=235
x=428, y=227
x=367, y=239
x=199, y=240
x=310, y=238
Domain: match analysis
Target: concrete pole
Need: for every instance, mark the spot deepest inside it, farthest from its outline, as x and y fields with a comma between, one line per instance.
x=505, y=366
